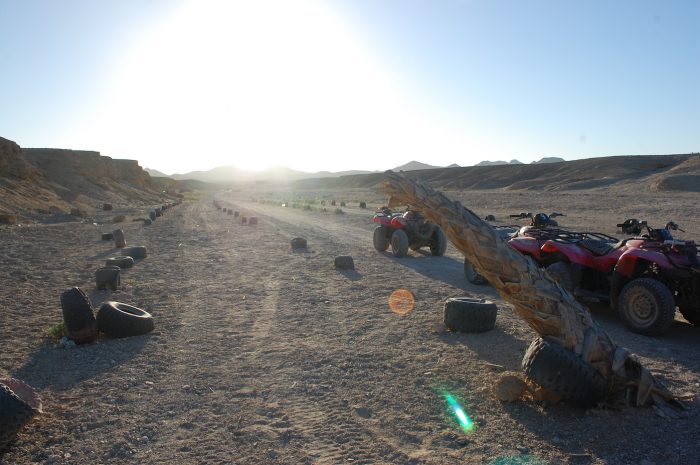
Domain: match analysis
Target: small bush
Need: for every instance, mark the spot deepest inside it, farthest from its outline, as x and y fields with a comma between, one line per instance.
x=77, y=212
x=7, y=219
x=56, y=331
x=119, y=219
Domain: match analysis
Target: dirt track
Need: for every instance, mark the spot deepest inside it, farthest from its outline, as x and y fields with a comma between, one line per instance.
x=263, y=355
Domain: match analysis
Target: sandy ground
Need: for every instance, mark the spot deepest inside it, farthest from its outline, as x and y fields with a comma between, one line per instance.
x=263, y=355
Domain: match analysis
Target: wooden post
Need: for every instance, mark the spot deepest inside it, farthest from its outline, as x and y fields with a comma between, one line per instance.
x=536, y=298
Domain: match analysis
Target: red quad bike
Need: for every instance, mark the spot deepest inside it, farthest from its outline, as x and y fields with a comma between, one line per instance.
x=407, y=230
x=645, y=278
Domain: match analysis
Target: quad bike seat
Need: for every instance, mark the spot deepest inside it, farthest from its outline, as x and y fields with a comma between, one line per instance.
x=598, y=247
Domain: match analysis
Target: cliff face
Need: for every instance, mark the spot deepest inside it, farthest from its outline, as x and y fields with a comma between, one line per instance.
x=12, y=161
x=48, y=180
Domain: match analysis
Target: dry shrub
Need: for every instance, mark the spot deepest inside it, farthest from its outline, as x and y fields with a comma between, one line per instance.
x=119, y=219
x=6, y=218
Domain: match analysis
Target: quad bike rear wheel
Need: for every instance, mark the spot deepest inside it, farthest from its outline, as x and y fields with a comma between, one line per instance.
x=438, y=242
x=399, y=243
x=471, y=274
x=647, y=306
x=380, y=241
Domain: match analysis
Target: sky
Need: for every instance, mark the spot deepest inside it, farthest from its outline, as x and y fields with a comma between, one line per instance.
x=183, y=85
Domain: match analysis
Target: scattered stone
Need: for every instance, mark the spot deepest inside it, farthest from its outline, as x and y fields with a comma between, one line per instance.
x=510, y=388
x=363, y=412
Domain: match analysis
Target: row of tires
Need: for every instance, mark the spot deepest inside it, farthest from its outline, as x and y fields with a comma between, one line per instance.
x=253, y=220
x=546, y=363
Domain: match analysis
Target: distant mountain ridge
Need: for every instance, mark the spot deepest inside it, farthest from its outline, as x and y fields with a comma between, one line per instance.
x=517, y=162
x=229, y=174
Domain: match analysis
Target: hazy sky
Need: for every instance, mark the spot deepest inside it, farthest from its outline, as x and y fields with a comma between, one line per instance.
x=350, y=84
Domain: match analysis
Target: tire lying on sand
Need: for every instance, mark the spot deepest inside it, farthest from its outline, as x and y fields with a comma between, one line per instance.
x=117, y=319
x=78, y=316
x=557, y=369
x=107, y=236
x=121, y=261
x=253, y=220
x=152, y=215
x=19, y=402
x=108, y=277
x=136, y=252
x=298, y=243
x=472, y=275
x=344, y=262
x=468, y=315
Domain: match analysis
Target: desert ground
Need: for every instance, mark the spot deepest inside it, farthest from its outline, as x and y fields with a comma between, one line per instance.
x=265, y=355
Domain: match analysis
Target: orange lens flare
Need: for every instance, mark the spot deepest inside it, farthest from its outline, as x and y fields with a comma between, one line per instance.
x=401, y=302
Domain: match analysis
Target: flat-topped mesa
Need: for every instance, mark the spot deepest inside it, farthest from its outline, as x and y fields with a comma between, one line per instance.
x=87, y=164
x=536, y=298
x=13, y=163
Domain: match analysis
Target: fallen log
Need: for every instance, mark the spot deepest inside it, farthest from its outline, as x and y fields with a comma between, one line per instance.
x=536, y=298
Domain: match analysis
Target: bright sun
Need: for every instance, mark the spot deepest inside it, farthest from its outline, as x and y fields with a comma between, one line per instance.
x=256, y=84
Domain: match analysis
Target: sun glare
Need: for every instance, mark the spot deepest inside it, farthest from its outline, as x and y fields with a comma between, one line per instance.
x=256, y=84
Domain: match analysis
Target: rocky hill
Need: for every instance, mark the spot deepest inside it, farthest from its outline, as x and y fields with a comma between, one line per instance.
x=646, y=172
x=35, y=182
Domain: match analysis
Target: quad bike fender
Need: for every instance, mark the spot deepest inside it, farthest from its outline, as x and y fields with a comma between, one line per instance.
x=574, y=254
x=526, y=246
x=634, y=260
x=398, y=222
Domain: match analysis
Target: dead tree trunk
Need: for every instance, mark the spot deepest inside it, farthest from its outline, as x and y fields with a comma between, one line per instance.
x=536, y=298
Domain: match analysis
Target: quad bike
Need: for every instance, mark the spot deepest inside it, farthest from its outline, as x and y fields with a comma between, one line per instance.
x=644, y=278
x=408, y=230
x=525, y=239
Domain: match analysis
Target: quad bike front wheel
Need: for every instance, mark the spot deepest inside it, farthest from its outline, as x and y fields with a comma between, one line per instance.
x=399, y=243
x=647, y=306
x=380, y=241
x=438, y=242
x=561, y=273
x=471, y=274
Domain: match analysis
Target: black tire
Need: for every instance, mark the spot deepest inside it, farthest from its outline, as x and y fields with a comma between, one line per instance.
x=253, y=220
x=381, y=243
x=158, y=212
x=120, y=261
x=344, y=262
x=117, y=319
x=467, y=315
x=152, y=215
x=561, y=273
x=471, y=274
x=438, y=242
x=564, y=373
x=78, y=316
x=137, y=252
x=399, y=243
x=691, y=314
x=363, y=205
x=647, y=306
x=490, y=218
x=16, y=412
x=236, y=214
x=108, y=277
x=298, y=243
x=147, y=222
x=107, y=236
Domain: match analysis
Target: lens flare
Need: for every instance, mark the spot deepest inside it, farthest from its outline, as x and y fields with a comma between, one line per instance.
x=463, y=419
x=401, y=302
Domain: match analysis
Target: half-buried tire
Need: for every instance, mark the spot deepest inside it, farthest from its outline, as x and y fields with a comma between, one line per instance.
x=136, y=252
x=108, y=277
x=117, y=319
x=298, y=243
x=78, y=316
x=18, y=404
x=561, y=371
x=121, y=261
x=467, y=315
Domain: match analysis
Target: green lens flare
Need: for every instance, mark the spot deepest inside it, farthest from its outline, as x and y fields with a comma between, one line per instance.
x=465, y=422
